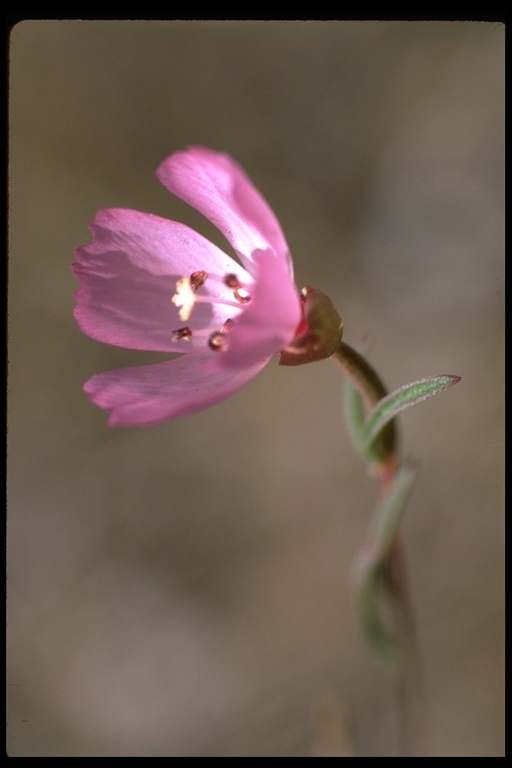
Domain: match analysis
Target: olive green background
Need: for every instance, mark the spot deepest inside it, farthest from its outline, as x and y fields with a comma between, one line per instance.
x=186, y=589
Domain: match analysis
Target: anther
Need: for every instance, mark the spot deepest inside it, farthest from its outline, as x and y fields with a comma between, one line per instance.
x=242, y=295
x=227, y=325
x=232, y=281
x=184, y=334
x=216, y=341
x=198, y=278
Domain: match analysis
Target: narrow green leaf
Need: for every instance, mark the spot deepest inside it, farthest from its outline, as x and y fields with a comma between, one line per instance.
x=371, y=568
x=391, y=508
x=410, y=394
x=354, y=416
x=380, y=639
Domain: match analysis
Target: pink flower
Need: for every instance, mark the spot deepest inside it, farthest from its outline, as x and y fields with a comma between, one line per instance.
x=152, y=284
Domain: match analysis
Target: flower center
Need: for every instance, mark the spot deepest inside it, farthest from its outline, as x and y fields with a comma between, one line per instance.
x=186, y=297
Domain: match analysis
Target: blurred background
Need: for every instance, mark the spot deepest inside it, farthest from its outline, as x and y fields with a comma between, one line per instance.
x=186, y=589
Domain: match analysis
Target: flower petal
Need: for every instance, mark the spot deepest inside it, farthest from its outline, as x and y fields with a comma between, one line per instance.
x=216, y=186
x=148, y=395
x=269, y=322
x=128, y=275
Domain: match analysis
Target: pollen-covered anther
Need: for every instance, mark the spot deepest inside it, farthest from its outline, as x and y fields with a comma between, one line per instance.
x=217, y=341
x=198, y=278
x=182, y=334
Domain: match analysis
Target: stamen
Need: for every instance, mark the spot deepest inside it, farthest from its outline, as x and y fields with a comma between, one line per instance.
x=198, y=278
x=227, y=325
x=242, y=295
x=186, y=296
x=184, y=334
x=217, y=342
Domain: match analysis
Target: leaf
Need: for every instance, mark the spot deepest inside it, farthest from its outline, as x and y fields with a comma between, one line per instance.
x=354, y=415
x=371, y=567
x=410, y=394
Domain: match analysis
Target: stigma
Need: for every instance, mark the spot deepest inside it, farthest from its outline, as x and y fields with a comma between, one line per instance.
x=184, y=298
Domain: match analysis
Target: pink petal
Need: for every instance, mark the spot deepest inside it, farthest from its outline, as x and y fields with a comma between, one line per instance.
x=216, y=186
x=269, y=322
x=148, y=395
x=128, y=276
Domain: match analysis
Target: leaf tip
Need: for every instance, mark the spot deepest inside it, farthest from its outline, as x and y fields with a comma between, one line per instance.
x=451, y=379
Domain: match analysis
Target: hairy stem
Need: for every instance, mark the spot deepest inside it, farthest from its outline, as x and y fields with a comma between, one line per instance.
x=391, y=576
x=371, y=388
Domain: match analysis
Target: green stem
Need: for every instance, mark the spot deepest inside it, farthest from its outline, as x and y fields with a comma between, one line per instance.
x=381, y=565
x=371, y=388
x=361, y=374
